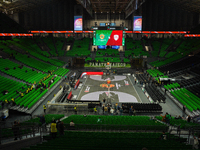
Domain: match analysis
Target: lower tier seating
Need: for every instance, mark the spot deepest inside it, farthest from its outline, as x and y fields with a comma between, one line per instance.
x=195, y=90
x=185, y=97
x=155, y=94
x=115, y=122
x=74, y=140
x=174, y=121
x=142, y=107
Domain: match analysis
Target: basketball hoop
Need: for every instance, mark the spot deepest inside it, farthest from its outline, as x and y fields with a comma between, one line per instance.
x=108, y=65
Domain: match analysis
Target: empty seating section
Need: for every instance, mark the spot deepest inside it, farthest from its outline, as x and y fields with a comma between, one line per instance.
x=172, y=86
x=142, y=77
x=187, y=46
x=59, y=45
x=33, y=62
x=108, y=59
x=144, y=107
x=179, y=122
x=155, y=72
x=196, y=70
x=48, y=118
x=189, y=82
x=185, y=97
x=24, y=45
x=25, y=73
x=80, y=48
x=156, y=46
x=34, y=46
x=155, y=94
x=61, y=71
x=180, y=65
x=134, y=48
x=75, y=140
x=107, y=52
x=11, y=86
x=170, y=54
x=164, y=46
x=113, y=122
x=195, y=90
x=49, y=42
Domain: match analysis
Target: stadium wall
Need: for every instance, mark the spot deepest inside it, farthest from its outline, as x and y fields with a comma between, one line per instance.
x=58, y=15
x=159, y=16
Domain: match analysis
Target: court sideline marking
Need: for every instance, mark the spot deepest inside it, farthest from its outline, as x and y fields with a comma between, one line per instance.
x=135, y=90
x=82, y=88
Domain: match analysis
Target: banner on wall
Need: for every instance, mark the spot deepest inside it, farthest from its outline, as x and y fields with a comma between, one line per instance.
x=137, y=23
x=78, y=23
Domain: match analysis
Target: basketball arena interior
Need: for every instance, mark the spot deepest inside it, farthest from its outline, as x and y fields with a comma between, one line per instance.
x=99, y=74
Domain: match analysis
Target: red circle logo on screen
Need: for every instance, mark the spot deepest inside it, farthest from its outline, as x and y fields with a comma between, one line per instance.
x=102, y=36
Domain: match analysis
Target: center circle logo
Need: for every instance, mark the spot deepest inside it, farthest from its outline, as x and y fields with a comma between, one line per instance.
x=102, y=36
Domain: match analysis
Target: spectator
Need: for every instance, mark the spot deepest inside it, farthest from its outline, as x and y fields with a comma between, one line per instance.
x=44, y=107
x=61, y=131
x=196, y=143
x=112, y=111
x=134, y=111
x=53, y=129
x=15, y=129
x=75, y=110
x=168, y=118
x=184, y=108
x=163, y=136
x=121, y=111
x=180, y=117
x=42, y=121
x=176, y=117
x=58, y=124
x=131, y=111
x=95, y=109
x=99, y=120
x=163, y=118
x=108, y=109
x=188, y=118
x=103, y=108
x=72, y=124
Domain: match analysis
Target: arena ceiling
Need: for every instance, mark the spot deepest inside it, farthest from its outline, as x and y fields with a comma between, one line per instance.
x=127, y=6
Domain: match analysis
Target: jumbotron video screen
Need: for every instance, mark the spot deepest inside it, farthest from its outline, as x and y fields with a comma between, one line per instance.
x=108, y=37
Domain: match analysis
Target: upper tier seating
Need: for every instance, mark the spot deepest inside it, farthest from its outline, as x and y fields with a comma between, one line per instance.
x=24, y=44
x=80, y=48
x=74, y=140
x=164, y=46
x=25, y=73
x=187, y=46
x=180, y=65
x=49, y=42
x=59, y=45
x=134, y=48
x=11, y=86
x=156, y=45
